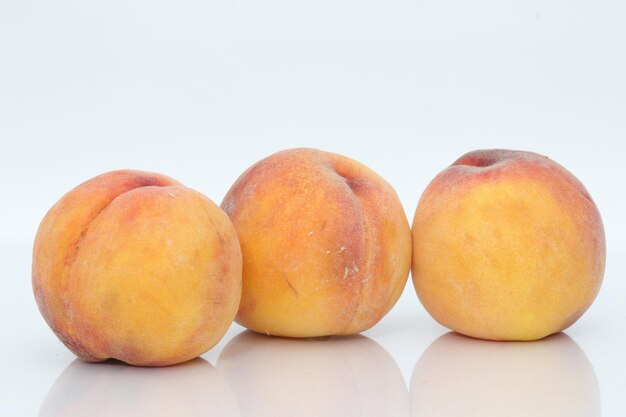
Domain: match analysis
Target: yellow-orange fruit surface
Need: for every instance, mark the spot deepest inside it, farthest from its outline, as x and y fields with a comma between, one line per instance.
x=507, y=245
x=134, y=266
x=325, y=241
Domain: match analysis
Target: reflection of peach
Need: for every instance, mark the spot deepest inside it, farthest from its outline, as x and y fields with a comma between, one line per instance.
x=325, y=242
x=134, y=266
x=113, y=389
x=459, y=376
x=351, y=376
x=507, y=245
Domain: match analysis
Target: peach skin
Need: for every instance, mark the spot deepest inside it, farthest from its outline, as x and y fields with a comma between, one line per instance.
x=134, y=266
x=326, y=244
x=507, y=245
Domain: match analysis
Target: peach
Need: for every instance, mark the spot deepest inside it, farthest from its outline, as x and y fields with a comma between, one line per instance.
x=326, y=244
x=507, y=245
x=134, y=266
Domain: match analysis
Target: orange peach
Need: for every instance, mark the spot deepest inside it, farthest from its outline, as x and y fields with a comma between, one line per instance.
x=507, y=245
x=326, y=244
x=134, y=266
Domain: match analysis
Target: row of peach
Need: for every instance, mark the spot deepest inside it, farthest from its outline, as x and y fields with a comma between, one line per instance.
x=505, y=245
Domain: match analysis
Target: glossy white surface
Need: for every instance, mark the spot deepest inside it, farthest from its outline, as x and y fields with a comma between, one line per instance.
x=200, y=90
x=407, y=365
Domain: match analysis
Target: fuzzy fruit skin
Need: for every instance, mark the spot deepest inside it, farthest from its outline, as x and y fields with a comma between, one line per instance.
x=507, y=245
x=134, y=266
x=326, y=244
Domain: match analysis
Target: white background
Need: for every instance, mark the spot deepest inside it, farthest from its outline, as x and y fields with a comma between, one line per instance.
x=200, y=90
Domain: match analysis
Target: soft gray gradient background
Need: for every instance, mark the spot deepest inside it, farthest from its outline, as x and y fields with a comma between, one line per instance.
x=200, y=90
